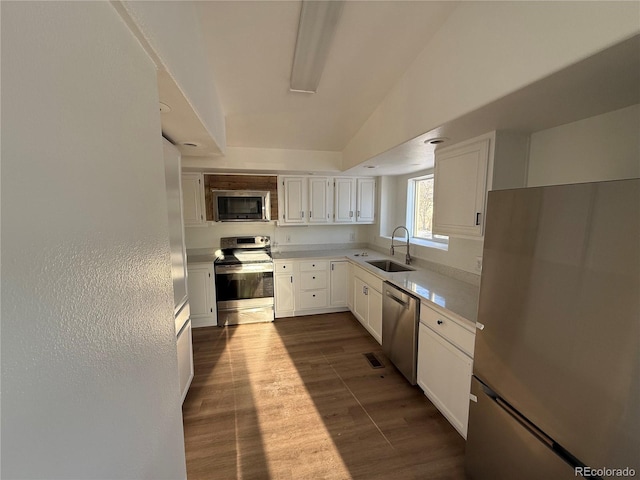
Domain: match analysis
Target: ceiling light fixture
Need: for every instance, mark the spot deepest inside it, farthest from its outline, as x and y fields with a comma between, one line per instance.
x=318, y=21
x=436, y=140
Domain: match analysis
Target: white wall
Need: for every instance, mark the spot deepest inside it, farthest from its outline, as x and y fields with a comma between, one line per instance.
x=173, y=31
x=605, y=147
x=484, y=51
x=89, y=367
x=285, y=238
x=267, y=160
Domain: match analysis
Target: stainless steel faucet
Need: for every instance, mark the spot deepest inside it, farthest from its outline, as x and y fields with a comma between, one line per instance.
x=407, y=258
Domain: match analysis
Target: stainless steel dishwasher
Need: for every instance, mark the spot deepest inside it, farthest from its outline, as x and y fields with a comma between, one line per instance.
x=400, y=317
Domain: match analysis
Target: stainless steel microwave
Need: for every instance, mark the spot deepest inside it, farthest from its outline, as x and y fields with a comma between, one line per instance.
x=241, y=206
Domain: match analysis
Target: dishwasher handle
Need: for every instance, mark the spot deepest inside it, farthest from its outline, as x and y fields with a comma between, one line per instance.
x=396, y=299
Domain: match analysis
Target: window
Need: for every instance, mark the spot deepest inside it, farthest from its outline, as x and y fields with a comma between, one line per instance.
x=420, y=210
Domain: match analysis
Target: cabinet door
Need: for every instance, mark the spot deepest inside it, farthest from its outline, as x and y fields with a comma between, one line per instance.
x=200, y=285
x=185, y=358
x=366, y=200
x=444, y=373
x=344, y=200
x=318, y=200
x=294, y=199
x=284, y=295
x=339, y=284
x=350, y=278
x=375, y=314
x=193, y=198
x=360, y=301
x=460, y=183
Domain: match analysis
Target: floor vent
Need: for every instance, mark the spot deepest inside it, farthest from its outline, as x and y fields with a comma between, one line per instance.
x=373, y=360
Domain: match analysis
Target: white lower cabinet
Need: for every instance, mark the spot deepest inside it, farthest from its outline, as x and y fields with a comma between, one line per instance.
x=367, y=301
x=308, y=287
x=185, y=358
x=339, y=283
x=444, y=369
x=283, y=280
x=202, y=294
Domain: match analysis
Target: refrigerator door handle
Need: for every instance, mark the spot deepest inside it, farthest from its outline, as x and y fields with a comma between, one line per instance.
x=535, y=431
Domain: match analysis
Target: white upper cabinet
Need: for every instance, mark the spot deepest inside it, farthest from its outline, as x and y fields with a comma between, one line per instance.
x=366, y=200
x=326, y=200
x=319, y=200
x=460, y=185
x=344, y=204
x=193, y=198
x=464, y=174
x=354, y=200
x=293, y=199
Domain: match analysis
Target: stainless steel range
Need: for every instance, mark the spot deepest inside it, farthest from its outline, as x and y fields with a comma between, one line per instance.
x=244, y=280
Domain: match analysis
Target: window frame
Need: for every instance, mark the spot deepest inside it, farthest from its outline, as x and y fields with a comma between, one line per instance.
x=436, y=241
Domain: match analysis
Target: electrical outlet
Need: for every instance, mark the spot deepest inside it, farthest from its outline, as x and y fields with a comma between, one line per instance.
x=352, y=236
x=479, y=264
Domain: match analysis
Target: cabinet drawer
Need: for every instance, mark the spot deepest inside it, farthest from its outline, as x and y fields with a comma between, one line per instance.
x=283, y=267
x=313, y=265
x=448, y=328
x=313, y=299
x=313, y=280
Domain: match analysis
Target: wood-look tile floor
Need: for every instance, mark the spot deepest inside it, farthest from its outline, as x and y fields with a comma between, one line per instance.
x=296, y=399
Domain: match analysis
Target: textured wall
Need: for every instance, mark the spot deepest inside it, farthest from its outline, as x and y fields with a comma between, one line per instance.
x=89, y=368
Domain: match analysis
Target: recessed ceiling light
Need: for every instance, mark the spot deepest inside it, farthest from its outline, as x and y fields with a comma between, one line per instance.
x=164, y=108
x=435, y=140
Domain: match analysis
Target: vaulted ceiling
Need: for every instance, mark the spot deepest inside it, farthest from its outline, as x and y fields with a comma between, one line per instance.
x=251, y=45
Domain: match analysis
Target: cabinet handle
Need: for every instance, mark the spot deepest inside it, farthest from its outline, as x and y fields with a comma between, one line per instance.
x=350, y=213
x=284, y=266
x=332, y=265
x=309, y=213
x=358, y=214
x=477, y=218
x=212, y=310
x=291, y=278
x=314, y=295
x=301, y=214
x=440, y=322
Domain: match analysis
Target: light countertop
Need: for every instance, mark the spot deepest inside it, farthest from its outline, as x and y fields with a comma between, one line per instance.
x=449, y=295
x=446, y=294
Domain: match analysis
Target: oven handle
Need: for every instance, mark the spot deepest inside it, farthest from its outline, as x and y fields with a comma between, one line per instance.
x=245, y=268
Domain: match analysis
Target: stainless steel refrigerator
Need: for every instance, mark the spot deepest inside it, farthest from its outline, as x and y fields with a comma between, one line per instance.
x=557, y=353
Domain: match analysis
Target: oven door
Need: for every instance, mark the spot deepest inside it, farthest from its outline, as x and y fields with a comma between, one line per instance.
x=244, y=293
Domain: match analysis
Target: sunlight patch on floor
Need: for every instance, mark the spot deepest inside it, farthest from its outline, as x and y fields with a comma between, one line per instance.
x=280, y=400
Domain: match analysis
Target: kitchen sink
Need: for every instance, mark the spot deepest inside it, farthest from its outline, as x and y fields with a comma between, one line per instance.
x=389, y=266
